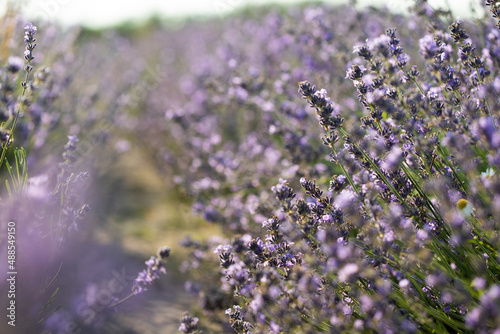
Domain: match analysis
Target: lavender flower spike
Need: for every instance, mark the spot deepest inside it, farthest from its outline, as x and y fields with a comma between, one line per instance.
x=29, y=38
x=155, y=266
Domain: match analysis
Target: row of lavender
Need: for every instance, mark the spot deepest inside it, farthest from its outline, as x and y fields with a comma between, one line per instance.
x=385, y=216
x=382, y=217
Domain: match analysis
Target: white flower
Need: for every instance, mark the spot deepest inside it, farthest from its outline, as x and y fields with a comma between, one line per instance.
x=488, y=173
x=465, y=207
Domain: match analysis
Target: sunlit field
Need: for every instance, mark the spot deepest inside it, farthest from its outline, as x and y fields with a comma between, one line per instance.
x=293, y=169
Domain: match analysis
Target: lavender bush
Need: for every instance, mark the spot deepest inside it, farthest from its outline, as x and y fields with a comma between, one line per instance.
x=403, y=237
x=350, y=159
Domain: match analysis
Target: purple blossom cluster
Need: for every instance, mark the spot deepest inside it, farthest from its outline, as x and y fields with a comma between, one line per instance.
x=385, y=215
x=155, y=267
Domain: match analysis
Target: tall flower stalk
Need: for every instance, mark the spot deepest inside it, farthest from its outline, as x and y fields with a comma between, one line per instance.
x=10, y=125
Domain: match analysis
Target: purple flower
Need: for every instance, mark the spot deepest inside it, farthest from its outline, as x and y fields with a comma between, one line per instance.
x=428, y=46
x=155, y=267
x=394, y=159
x=29, y=38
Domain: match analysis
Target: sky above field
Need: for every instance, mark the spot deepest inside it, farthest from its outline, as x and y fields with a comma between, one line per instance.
x=99, y=13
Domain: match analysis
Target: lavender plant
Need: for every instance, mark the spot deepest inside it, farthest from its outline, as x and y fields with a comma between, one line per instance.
x=404, y=237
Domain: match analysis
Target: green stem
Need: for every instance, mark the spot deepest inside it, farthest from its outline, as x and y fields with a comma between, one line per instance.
x=122, y=300
x=6, y=146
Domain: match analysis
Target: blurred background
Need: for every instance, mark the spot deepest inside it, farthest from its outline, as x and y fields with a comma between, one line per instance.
x=96, y=13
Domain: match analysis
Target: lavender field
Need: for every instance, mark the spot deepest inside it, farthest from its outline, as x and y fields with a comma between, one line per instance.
x=302, y=169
